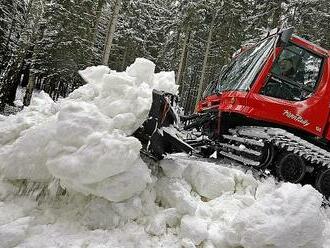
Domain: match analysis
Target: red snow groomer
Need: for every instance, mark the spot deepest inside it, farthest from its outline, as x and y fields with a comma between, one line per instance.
x=269, y=109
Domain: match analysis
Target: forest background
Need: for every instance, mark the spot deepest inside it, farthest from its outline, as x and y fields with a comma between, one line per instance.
x=43, y=43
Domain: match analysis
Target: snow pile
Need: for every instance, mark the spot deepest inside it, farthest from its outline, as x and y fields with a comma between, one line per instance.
x=244, y=212
x=76, y=221
x=13, y=126
x=288, y=217
x=84, y=140
x=223, y=207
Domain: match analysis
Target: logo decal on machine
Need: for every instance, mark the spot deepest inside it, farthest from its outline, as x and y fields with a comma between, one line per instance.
x=296, y=117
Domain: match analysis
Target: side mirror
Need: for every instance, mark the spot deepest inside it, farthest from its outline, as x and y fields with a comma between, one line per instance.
x=286, y=35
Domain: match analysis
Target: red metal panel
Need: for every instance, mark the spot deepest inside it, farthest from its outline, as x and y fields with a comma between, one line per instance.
x=310, y=115
x=233, y=101
x=310, y=46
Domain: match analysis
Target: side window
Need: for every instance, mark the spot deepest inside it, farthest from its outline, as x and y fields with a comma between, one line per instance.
x=294, y=75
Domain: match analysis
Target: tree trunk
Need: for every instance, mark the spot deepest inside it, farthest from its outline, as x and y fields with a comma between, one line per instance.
x=111, y=31
x=206, y=55
x=175, y=49
x=29, y=89
x=183, y=59
x=184, y=84
x=123, y=63
x=32, y=75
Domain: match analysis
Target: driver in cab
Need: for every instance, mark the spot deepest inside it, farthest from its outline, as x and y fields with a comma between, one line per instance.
x=286, y=68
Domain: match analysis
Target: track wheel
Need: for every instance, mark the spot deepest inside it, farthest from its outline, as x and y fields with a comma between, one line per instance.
x=323, y=183
x=291, y=168
x=207, y=151
x=267, y=156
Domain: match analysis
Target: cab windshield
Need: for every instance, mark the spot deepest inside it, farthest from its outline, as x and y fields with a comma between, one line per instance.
x=242, y=71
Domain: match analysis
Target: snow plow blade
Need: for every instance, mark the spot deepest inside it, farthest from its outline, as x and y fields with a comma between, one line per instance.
x=155, y=135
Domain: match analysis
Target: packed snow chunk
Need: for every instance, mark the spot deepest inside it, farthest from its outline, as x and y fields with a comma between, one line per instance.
x=175, y=193
x=26, y=157
x=123, y=85
x=100, y=213
x=148, y=198
x=223, y=209
x=87, y=93
x=125, y=122
x=142, y=70
x=187, y=243
x=211, y=180
x=102, y=156
x=121, y=95
x=125, y=185
x=289, y=217
x=94, y=74
x=158, y=223
x=15, y=209
x=13, y=233
x=116, y=188
x=6, y=189
x=100, y=216
x=77, y=120
x=118, y=107
x=266, y=186
x=194, y=228
x=41, y=107
x=128, y=114
x=130, y=209
x=326, y=232
x=164, y=81
x=172, y=167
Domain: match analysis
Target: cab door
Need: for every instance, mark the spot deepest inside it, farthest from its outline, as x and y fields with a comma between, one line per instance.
x=298, y=96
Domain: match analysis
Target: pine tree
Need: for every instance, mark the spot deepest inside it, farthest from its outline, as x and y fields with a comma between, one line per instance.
x=11, y=76
x=47, y=42
x=12, y=13
x=144, y=29
x=311, y=20
x=66, y=45
x=212, y=47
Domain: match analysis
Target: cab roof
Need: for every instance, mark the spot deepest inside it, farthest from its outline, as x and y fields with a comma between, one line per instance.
x=310, y=46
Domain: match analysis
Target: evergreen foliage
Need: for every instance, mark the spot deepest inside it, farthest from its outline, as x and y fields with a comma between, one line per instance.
x=46, y=42
x=12, y=15
x=66, y=44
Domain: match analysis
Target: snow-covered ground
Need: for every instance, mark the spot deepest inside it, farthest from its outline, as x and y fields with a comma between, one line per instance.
x=72, y=176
